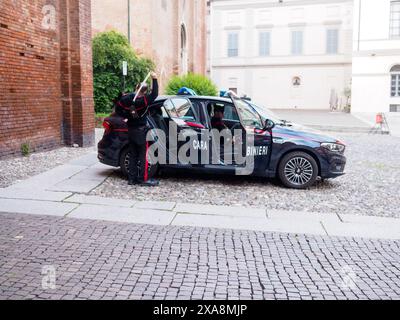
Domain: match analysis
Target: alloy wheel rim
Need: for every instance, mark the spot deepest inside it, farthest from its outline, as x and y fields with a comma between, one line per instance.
x=299, y=171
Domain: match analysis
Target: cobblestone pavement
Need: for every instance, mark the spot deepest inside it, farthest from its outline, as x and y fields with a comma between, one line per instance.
x=372, y=175
x=104, y=260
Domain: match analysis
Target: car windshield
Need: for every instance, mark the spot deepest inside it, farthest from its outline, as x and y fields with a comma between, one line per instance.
x=249, y=116
x=265, y=113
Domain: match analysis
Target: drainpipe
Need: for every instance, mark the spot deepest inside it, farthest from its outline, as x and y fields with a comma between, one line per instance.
x=129, y=21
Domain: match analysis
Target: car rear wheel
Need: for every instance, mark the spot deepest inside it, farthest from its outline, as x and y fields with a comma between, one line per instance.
x=124, y=165
x=298, y=170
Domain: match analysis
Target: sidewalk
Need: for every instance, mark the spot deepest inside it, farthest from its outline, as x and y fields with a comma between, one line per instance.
x=63, y=191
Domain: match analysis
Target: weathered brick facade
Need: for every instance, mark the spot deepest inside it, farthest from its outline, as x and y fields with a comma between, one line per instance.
x=171, y=32
x=46, y=91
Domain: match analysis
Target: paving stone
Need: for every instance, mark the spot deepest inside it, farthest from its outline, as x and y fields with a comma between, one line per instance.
x=48, y=178
x=301, y=216
x=228, y=222
x=119, y=214
x=75, y=185
x=296, y=226
x=155, y=205
x=84, y=199
x=33, y=194
x=86, y=160
x=382, y=230
x=368, y=219
x=94, y=174
x=36, y=207
x=220, y=210
x=194, y=262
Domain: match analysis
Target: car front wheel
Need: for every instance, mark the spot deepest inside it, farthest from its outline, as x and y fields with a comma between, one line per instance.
x=124, y=165
x=298, y=170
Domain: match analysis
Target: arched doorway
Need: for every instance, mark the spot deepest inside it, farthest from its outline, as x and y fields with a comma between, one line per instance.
x=184, y=54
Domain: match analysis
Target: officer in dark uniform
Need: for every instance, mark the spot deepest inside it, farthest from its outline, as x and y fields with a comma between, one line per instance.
x=135, y=113
x=217, y=121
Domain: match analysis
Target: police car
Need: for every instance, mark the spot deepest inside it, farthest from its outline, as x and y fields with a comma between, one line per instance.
x=278, y=149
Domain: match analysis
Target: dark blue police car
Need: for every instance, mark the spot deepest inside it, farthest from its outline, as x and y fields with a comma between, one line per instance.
x=294, y=154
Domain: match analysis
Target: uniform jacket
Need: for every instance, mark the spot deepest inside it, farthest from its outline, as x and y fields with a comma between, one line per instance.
x=125, y=105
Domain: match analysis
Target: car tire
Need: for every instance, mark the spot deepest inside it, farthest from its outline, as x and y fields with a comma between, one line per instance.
x=124, y=165
x=298, y=170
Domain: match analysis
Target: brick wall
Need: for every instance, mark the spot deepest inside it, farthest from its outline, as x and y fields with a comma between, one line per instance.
x=46, y=94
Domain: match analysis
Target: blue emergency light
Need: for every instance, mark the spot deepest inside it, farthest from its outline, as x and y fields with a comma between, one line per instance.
x=184, y=91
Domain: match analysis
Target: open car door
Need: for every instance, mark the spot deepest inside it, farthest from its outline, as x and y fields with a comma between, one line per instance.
x=257, y=141
x=188, y=137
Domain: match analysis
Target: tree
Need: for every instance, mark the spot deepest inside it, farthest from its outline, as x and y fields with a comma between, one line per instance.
x=110, y=49
x=201, y=84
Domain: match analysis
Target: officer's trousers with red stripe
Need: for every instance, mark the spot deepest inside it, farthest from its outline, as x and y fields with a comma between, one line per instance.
x=138, y=147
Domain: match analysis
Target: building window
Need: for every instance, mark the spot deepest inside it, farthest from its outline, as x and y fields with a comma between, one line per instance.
x=233, y=44
x=265, y=41
x=332, y=41
x=395, y=86
x=297, y=42
x=395, y=108
x=395, y=81
x=395, y=19
x=235, y=90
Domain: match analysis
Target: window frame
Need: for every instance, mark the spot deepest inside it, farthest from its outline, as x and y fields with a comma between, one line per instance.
x=240, y=105
x=174, y=115
x=295, y=42
x=234, y=111
x=394, y=32
x=329, y=44
x=394, y=108
x=234, y=50
x=267, y=47
x=395, y=89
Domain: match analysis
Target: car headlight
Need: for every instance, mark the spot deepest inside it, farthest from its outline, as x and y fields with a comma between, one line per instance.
x=334, y=147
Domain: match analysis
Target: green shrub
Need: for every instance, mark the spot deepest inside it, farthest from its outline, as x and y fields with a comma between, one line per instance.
x=201, y=84
x=26, y=149
x=110, y=49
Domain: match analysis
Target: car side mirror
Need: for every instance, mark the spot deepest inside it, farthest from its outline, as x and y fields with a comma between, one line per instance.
x=269, y=125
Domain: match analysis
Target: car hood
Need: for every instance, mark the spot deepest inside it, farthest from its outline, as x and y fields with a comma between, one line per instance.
x=300, y=132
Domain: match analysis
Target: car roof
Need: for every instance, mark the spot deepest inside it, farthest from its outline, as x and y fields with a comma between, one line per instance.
x=220, y=99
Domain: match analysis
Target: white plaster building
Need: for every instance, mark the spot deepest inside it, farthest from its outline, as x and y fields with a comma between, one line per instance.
x=376, y=56
x=283, y=54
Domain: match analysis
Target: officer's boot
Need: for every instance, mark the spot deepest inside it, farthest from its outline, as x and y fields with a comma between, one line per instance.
x=150, y=183
x=132, y=182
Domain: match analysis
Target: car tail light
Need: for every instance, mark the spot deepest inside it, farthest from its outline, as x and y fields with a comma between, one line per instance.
x=107, y=127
